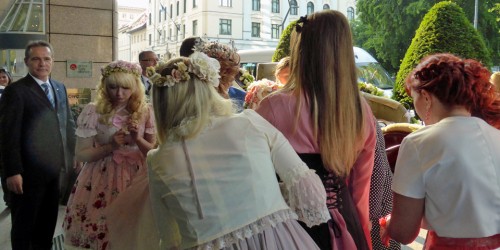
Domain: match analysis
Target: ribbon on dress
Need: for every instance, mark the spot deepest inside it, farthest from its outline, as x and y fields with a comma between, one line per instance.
x=129, y=156
x=119, y=121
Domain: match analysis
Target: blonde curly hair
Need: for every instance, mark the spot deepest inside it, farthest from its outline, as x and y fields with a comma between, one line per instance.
x=136, y=106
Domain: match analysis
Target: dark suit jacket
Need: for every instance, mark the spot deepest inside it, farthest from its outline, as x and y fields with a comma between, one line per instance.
x=36, y=140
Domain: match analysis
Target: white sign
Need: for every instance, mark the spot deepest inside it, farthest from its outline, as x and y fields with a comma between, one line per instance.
x=78, y=69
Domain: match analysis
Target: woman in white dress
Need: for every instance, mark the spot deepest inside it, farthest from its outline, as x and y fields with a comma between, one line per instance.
x=212, y=178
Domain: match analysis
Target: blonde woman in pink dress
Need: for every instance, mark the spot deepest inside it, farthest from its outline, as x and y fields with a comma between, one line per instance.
x=322, y=114
x=114, y=135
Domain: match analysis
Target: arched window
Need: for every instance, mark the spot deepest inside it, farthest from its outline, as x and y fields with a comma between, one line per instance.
x=326, y=6
x=350, y=13
x=310, y=8
x=293, y=7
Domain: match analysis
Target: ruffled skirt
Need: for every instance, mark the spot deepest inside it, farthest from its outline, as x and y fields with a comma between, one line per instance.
x=131, y=225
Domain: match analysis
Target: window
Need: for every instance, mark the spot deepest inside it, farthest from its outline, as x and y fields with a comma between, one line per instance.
x=150, y=39
x=255, y=29
x=171, y=10
x=225, y=27
x=326, y=6
x=275, y=31
x=170, y=34
x=159, y=15
x=185, y=3
x=226, y=3
x=194, y=4
x=275, y=6
x=177, y=8
x=150, y=19
x=293, y=7
x=183, y=31
x=350, y=13
x=195, y=27
x=256, y=5
x=310, y=8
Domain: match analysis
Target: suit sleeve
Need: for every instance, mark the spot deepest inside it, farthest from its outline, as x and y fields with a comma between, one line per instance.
x=11, y=122
x=70, y=127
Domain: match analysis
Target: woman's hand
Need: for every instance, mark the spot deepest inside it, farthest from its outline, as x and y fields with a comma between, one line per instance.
x=133, y=129
x=119, y=139
x=384, y=235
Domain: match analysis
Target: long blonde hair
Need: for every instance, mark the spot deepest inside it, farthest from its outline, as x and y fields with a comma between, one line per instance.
x=183, y=110
x=323, y=69
x=136, y=105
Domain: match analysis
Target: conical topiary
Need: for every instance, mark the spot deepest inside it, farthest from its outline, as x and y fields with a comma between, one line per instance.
x=444, y=29
x=283, y=48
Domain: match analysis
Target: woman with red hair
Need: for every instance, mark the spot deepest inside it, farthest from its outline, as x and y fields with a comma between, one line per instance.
x=446, y=177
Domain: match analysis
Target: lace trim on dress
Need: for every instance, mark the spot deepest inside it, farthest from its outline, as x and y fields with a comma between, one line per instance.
x=301, y=188
x=249, y=230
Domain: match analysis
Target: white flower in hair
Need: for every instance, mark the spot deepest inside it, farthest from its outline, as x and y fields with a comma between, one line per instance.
x=205, y=68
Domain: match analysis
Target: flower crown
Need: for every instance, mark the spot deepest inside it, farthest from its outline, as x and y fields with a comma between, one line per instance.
x=220, y=51
x=198, y=65
x=121, y=66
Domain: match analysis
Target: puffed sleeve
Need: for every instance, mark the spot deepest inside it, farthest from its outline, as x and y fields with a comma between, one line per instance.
x=302, y=188
x=149, y=127
x=87, y=122
x=408, y=175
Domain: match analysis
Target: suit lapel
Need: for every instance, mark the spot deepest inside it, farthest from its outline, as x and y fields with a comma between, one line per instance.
x=37, y=90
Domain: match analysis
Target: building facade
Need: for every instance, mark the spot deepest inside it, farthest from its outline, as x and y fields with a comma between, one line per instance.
x=243, y=24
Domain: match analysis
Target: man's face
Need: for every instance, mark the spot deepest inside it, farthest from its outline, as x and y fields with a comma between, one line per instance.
x=39, y=62
x=149, y=59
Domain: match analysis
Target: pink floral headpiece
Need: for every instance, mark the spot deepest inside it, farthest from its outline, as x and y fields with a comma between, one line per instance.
x=221, y=52
x=198, y=65
x=121, y=66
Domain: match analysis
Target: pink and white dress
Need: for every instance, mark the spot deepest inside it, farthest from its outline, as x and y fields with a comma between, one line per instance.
x=102, y=181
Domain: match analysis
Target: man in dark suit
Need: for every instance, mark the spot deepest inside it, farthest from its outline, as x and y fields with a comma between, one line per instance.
x=147, y=59
x=37, y=140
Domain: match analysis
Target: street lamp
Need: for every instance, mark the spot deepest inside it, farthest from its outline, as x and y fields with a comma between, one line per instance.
x=475, y=13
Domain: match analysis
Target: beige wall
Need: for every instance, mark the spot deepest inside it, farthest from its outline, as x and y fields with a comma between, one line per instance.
x=82, y=31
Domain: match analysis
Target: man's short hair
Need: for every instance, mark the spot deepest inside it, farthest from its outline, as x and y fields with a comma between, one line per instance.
x=143, y=53
x=38, y=43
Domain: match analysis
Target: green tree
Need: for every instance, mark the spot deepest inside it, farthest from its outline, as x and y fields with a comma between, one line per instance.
x=445, y=28
x=283, y=48
x=387, y=27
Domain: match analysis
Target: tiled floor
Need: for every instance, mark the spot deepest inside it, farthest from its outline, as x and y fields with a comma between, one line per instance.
x=5, y=225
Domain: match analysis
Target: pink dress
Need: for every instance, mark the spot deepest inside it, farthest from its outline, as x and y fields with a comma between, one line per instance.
x=279, y=109
x=100, y=182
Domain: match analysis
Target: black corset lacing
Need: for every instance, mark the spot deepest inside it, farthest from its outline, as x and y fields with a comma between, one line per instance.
x=337, y=197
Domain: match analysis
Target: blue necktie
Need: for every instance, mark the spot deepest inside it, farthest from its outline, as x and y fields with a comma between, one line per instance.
x=45, y=87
